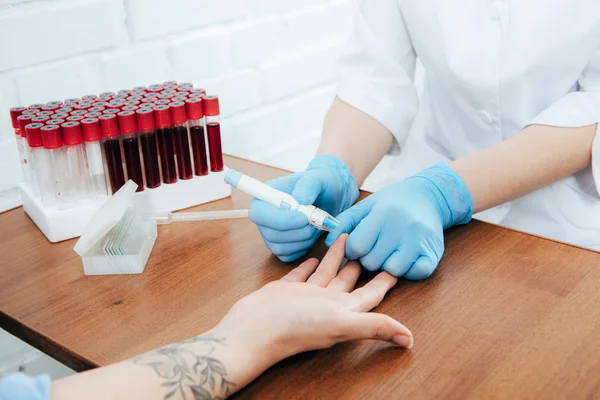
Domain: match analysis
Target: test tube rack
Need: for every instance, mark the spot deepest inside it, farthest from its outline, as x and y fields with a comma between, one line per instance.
x=58, y=225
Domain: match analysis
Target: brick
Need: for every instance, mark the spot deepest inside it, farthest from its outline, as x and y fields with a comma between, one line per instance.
x=139, y=65
x=283, y=78
x=258, y=42
x=60, y=80
x=200, y=56
x=237, y=92
x=88, y=25
x=156, y=18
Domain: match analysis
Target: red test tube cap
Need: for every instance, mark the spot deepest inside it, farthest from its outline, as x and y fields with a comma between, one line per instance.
x=79, y=112
x=108, y=125
x=55, y=121
x=24, y=120
x=96, y=109
x=145, y=119
x=37, y=106
x=51, y=137
x=71, y=133
x=211, y=106
x=178, y=113
x=40, y=119
x=93, y=114
x=111, y=111
x=34, y=135
x=127, y=122
x=91, y=129
x=59, y=115
x=195, y=108
x=15, y=113
x=129, y=108
x=106, y=94
x=162, y=116
x=45, y=113
x=75, y=118
x=198, y=90
x=30, y=112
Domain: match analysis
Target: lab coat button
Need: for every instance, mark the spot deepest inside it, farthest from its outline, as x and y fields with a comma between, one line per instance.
x=486, y=116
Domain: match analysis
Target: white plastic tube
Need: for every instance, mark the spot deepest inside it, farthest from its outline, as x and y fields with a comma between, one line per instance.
x=167, y=217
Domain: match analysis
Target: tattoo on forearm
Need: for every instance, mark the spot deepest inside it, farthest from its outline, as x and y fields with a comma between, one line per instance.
x=194, y=374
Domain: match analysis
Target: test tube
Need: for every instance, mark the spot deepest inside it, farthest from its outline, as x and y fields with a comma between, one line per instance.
x=164, y=134
x=182, y=140
x=51, y=107
x=147, y=135
x=92, y=136
x=131, y=148
x=94, y=114
x=55, y=161
x=55, y=121
x=22, y=147
x=106, y=94
x=195, y=112
x=43, y=177
x=80, y=185
x=72, y=100
x=197, y=91
x=112, y=151
x=37, y=106
x=75, y=118
x=213, y=128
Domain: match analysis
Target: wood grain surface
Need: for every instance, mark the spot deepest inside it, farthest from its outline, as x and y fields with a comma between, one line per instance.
x=506, y=315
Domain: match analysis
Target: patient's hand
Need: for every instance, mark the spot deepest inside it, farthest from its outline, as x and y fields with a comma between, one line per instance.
x=315, y=307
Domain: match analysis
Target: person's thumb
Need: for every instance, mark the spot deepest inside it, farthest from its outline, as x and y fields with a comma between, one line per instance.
x=360, y=326
x=308, y=188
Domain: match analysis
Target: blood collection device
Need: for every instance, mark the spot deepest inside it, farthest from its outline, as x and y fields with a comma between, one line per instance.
x=182, y=140
x=131, y=148
x=316, y=217
x=22, y=147
x=43, y=177
x=92, y=137
x=57, y=185
x=213, y=131
x=112, y=151
x=195, y=113
x=147, y=135
x=79, y=174
x=164, y=134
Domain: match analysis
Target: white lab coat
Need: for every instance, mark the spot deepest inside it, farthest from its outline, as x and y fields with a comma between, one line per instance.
x=492, y=67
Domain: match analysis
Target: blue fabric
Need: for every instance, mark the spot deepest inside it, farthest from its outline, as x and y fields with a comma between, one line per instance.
x=23, y=387
x=400, y=229
x=327, y=183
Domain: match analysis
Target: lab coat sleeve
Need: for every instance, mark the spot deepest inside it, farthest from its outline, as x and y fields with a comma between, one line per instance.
x=376, y=69
x=580, y=108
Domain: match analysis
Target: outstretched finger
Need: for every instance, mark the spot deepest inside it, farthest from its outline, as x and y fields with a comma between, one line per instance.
x=346, y=278
x=302, y=272
x=359, y=326
x=330, y=264
x=369, y=296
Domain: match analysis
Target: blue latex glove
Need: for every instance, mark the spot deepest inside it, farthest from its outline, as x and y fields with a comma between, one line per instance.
x=400, y=229
x=327, y=183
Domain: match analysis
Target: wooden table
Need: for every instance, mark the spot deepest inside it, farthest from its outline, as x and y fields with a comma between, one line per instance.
x=506, y=315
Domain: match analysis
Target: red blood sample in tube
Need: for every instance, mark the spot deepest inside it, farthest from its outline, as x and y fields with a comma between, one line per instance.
x=112, y=150
x=182, y=140
x=164, y=134
x=213, y=129
x=131, y=148
x=195, y=113
x=147, y=134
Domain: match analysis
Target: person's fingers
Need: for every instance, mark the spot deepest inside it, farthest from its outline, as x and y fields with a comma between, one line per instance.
x=295, y=235
x=358, y=326
x=301, y=272
x=330, y=264
x=363, y=238
x=349, y=219
x=285, y=184
x=308, y=188
x=398, y=263
x=346, y=278
x=369, y=296
x=264, y=214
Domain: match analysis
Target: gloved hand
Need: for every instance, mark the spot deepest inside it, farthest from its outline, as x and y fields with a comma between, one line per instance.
x=400, y=229
x=327, y=184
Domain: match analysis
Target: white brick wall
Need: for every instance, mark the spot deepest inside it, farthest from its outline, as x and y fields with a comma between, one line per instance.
x=270, y=61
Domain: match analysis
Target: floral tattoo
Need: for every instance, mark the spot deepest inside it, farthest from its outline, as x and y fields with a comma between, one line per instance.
x=195, y=376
